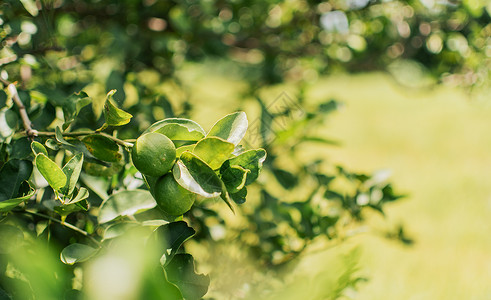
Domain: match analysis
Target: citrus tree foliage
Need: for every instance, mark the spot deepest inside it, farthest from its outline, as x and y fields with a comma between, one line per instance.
x=66, y=159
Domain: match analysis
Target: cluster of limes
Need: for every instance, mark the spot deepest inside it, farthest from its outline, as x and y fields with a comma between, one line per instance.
x=154, y=155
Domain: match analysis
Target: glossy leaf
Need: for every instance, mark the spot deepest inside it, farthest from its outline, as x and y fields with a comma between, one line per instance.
x=12, y=175
x=190, y=125
x=72, y=171
x=113, y=115
x=231, y=128
x=180, y=134
x=38, y=148
x=196, y=176
x=168, y=238
x=102, y=148
x=234, y=177
x=182, y=149
x=76, y=253
x=180, y=271
x=213, y=151
x=59, y=137
x=251, y=160
x=82, y=194
x=125, y=203
x=50, y=171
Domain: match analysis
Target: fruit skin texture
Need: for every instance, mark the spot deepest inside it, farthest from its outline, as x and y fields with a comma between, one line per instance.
x=172, y=198
x=153, y=154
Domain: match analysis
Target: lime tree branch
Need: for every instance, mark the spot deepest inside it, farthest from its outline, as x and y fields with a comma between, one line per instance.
x=22, y=109
x=67, y=225
x=85, y=133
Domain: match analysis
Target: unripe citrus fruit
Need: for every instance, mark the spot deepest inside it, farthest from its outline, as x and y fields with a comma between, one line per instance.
x=153, y=154
x=172, y=198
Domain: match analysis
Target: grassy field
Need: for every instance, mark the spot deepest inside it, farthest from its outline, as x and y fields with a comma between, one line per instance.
x=437, y=143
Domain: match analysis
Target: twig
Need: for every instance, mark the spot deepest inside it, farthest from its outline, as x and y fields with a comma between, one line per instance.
x=31, y=133
x=82, y=133
x=68, y=225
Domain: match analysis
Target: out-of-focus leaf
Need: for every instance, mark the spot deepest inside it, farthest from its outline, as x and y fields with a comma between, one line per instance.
x=285, y=178
x=4, y=295
x=125, y=203
x=11, y=238
x=231, y=128
x=72, y=171
x=240, y=196
x=50, y=171
x=8, y=123
x=180, y=271
x=20, y=148
x=76, y=253
x=25, y=192
x=113, y=115
x=196, y=176
x=213, y=151
x=102, y=148
x=65, y=209
x=12, y=175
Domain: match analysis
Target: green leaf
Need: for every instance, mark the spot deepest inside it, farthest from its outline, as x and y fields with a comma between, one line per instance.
x=72, y=106
x=52, y=144
x=20, y=148
x=51, y=172
x=102, y=148
x=180, y=131
x=4, y=295
x=251, y=160
x=118, y=229
x=190, y=125
x=113, y=115
x=234, y=177
x=76, y=146
x=182, y=149
x=72, y=172
x=65, y=209
x=170, y=237
x=232, y=127
x=82, y=194
x=180, y=271
x=125, y=203
x=38, y=148
x=213, y=151
x=76, y=253
x=11, y=238
x=12, y=175
x=59, y=137
x=285, y=178
x=240, y=196
x=26, y=192
x=196, y=176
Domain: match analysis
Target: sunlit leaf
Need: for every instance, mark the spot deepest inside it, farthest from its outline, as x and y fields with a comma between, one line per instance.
x=72, y=171
x=50, y=171
x=180, y=131
x=231, y=128
x=113, y=115
x=102, y=148
x=213, y=151
x=38, y=148
x=125, y=203
x=196, y=176
x=76, y=253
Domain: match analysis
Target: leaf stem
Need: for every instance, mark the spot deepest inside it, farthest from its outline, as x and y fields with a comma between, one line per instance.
x=83, y=133
x=68, y=225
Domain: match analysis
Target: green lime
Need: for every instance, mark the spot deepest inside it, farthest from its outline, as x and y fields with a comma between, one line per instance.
x=153, y=154
x=172, y=198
